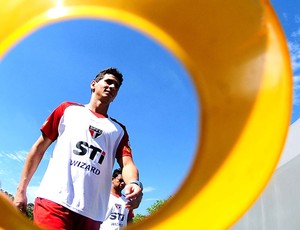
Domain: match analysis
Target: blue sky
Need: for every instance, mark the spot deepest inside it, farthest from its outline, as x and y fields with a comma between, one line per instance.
x=157, y=101
x=288, y=12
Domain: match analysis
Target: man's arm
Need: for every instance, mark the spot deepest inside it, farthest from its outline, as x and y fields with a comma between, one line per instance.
x=33, y=160
x=129, y=170
x=132, y=191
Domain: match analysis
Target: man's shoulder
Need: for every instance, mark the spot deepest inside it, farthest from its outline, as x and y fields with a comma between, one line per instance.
x=69, y=103
x=119, y=123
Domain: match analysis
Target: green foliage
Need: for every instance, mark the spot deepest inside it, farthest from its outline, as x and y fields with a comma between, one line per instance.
x=155, y=206
x=138, y=218
x=152, y=209
x=29, y=212
x=11, y=197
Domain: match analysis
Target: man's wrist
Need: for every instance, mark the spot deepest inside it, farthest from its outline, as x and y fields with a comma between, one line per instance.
x=137, y=182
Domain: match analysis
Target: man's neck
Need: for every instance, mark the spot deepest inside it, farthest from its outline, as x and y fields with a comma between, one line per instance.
x=116, y=192
x=98, y=107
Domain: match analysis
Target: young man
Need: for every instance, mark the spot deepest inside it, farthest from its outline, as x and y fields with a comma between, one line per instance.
x=75, y=190
x=117, y=215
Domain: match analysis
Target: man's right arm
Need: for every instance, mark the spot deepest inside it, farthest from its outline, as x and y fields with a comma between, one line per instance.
x=32, y=162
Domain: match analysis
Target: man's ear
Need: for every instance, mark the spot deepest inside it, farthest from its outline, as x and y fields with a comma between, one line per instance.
x=92, y=85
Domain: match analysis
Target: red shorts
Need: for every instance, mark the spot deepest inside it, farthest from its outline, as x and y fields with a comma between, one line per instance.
x=50, y=215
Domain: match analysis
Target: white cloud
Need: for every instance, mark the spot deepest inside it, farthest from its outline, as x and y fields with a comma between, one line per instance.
x=296, y=89
x=294, y=48
x=148, y=189
x=297, y=81
x=296, y=33
x=19, y=156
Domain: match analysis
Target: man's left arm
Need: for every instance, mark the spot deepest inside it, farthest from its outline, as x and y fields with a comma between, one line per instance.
x=133, y=189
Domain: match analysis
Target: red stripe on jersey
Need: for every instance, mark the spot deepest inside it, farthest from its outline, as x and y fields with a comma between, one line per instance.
x=124, y=147
x=130, y=214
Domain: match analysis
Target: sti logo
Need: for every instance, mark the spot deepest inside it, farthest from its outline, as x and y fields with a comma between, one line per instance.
x=95, y=132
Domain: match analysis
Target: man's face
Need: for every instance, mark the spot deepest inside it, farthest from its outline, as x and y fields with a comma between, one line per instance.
x=107, y=88
x=119, y=183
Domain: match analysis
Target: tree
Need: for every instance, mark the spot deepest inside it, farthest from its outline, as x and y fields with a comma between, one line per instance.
x=152, y=209
x=138, y=218
x=11, y=197
x=29, y=211
x=155, y=206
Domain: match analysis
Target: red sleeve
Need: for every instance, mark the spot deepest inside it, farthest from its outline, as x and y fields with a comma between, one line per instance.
x=50, y=126
x=124, y=146
x=130, y=214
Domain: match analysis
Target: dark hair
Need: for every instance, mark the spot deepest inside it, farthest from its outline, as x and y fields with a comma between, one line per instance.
x=116, y=172
x=111, y=70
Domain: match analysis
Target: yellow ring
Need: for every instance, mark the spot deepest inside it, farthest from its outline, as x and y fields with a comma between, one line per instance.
x=237, y=56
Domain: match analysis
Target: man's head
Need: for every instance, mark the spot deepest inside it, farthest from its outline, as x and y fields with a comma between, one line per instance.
x=112, y=71
x=106, y=85
x=117, y=180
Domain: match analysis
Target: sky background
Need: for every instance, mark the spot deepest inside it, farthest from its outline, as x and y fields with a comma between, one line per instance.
x=288, y=13
x=157, y=101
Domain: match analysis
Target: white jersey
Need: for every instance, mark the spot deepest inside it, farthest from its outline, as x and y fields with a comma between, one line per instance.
x=116, y=215
x=79, y=172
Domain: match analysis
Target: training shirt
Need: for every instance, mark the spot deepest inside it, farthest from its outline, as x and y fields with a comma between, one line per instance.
x=78, y=176
x=117, y=215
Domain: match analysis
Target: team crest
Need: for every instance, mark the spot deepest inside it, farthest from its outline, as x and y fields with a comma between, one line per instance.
x=95, y=132
x=118, y=206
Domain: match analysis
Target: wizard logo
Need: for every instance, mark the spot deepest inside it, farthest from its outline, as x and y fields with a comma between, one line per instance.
x=95, y=132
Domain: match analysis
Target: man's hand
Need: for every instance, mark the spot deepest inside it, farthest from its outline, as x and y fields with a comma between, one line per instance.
x=134, y=194
x=20, y=201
